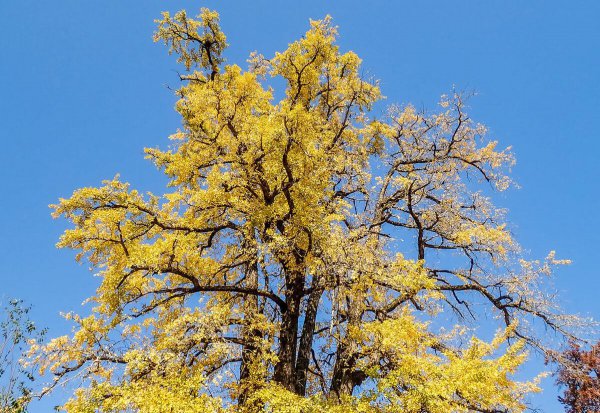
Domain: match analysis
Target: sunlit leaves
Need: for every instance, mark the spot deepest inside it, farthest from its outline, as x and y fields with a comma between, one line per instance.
x=302, y=252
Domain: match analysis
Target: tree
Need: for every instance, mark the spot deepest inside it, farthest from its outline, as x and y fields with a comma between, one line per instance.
x=16, y=330
x=580, y=376
x=304, y=252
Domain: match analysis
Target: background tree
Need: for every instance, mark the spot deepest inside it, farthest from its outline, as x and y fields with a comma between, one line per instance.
x=579, y=375
x=16, y=332
x=305, y=253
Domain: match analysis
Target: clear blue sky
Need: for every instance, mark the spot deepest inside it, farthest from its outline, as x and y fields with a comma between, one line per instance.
x=83, y=89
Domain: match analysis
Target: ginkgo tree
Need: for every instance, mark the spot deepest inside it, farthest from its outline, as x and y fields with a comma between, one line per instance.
x=304, y=251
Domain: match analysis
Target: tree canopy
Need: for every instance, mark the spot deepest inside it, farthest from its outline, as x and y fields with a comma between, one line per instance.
x=304, y=252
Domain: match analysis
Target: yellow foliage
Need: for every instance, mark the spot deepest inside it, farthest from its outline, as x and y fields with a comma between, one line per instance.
x=269, y=278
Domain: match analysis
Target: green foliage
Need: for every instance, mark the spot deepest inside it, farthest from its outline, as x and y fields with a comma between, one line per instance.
x=17, y=332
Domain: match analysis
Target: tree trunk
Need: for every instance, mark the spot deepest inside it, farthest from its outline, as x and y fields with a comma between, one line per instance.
x=345, y=376
x=306, y=340
x=249, y=332
x=288, y=336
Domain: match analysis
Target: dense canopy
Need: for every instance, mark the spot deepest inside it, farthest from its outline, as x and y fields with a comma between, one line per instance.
x=305, y=253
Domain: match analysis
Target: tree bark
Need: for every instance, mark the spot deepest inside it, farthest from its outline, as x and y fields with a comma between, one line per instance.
x=345, y=376
x=249, y=332
x=306, y=339
x=288, y=336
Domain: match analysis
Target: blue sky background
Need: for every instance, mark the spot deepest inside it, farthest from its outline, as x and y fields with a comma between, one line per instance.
x=83, y=89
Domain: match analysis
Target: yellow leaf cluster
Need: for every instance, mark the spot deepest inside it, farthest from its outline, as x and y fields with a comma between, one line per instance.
x=299, y=258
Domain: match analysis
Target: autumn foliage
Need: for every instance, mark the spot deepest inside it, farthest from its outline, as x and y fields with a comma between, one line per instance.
x=304, y=253
x=580, y=378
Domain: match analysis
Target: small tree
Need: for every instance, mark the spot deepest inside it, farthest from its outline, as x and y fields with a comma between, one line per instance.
x=302, y=252
x=16, y=333
x=579, y=375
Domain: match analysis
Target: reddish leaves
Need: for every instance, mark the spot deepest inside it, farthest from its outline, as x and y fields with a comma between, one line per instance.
x=580, y=377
